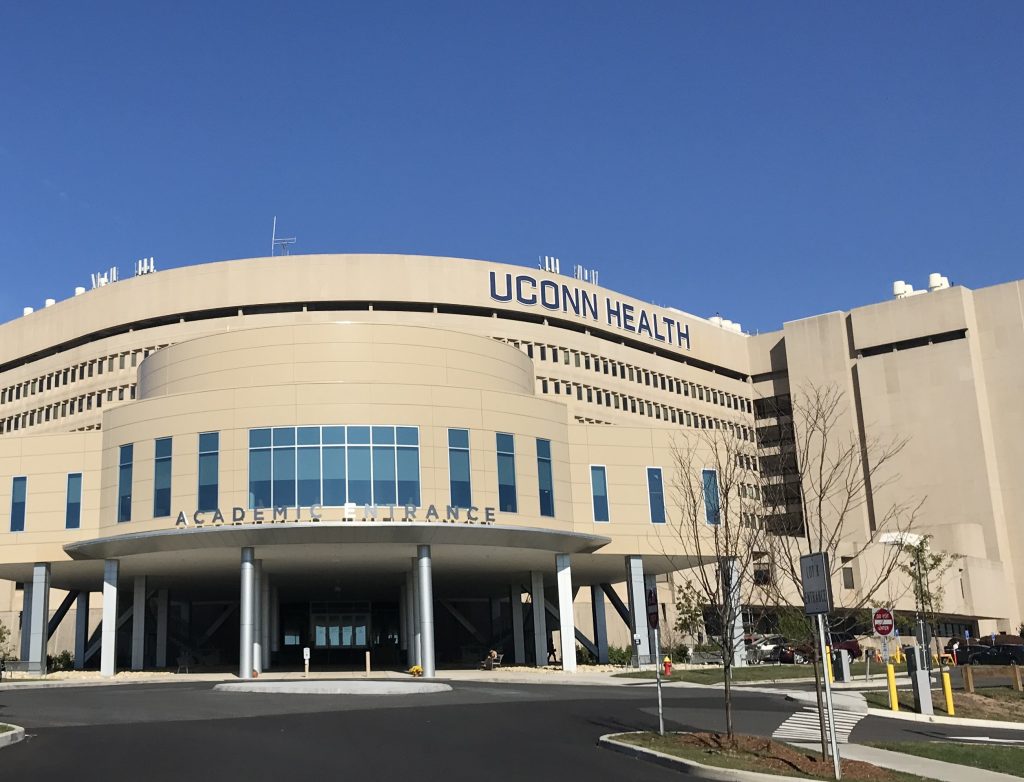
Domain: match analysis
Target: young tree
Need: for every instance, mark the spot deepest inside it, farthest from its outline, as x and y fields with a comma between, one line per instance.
x=689, y=610
x=714, y=483
x=927, y=569
x=6, y=649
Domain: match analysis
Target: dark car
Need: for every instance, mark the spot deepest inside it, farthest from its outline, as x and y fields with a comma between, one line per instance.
x=796, y=653
x=848, y=642
x=1002, y=654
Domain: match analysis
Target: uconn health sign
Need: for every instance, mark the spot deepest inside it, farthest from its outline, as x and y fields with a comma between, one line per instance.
x=561, y=297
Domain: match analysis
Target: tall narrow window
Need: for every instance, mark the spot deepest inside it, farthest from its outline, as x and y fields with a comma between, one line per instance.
x=712, y=511
x=73, y=508
x=209, y=470
x=656, y=495
x=458, y=467
x=19, y=490
x=360, y=472
x=308, y=466
x=284, y=467
x=162, y=478
x=408, y=444
x=384, y=468
x=124, y=482
x=544, y=479
x=335, y=494
x=506, y=447
x=260, y=471
x=599, y=489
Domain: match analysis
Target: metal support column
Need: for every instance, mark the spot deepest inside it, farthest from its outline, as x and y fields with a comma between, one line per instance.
x=540, y=629
x=81, y=628
x=403, y=621
x=638, y=609
x=26, y=620
x=162, y=605
x=566, y=619
x=139, y=623
x=730, y=574
x=426, y=596
x=245, y=615
x=257, y=616
x=651, y=582
x=108, y=642
x=416, y=645
x=265, y=621
x=515, y=596
x=600, y=623
x=275, y=620
x=40, y=618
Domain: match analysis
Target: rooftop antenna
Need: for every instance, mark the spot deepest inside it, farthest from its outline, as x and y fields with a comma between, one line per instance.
x=282, y=242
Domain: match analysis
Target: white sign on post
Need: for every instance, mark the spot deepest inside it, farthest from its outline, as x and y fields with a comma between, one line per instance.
x=305, y=653
x=817, y=583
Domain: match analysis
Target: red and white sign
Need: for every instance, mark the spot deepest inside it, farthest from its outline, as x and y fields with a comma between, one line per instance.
x=882, y=621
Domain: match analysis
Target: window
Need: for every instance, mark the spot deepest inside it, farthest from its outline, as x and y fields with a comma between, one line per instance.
x=656, y=495
x=544, y=479
x=73, y=509
x=506, y=447
x=209, y=470
x=762, y=569
x=848, y=582
x=333, y=466
x=599, y=489
x=458, y=467
x=124, y=482
x=19, y=490
x=712, y=511
x=162, y=478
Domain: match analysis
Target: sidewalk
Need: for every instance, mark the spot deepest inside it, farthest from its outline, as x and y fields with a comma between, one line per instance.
x=912, y=764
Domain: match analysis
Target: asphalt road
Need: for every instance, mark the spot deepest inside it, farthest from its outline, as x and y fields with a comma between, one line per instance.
x=476, y=732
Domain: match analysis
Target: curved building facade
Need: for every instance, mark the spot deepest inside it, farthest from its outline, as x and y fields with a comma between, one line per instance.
x=423, y=458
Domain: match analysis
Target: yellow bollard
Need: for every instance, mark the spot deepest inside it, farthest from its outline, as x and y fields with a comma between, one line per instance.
x=947, y=688
x=890, y=675
x=828, y=665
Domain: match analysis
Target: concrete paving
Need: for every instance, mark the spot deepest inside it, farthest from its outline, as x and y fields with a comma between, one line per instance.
x=922, y=767
x=406, y=688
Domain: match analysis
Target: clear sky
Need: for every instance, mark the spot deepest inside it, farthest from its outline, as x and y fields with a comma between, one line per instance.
x=765, y=160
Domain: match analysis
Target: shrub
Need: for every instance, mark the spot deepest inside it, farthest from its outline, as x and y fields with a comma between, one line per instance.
x=620, y=655
x=583, y=657
x=62, y=661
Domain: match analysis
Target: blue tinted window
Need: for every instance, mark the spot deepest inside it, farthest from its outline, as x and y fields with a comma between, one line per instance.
x=712, y=513
x=309, y=476
x=73, y=511
x=19, y=491
x=408, y=435
x=544, y=479
x=309, y=435
x=259, y=478
x=124, y=482
x=505, y=444
x=360, y=435
x=334, y=435
x=209, y=470
x=259, y=438
x=284, y=478
x=458, y=438
x=360, y=489
x=383, y=435
x=384, y=475
x=656, y=495
x=599, y=488
x=284, y=435
x=162, y=479
x=334, y=476
x=408, y=476
x=458, y=468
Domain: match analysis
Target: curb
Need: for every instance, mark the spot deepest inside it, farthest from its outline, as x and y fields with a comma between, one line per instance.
x=692, y=767
x=11, y=736
x=938, y=719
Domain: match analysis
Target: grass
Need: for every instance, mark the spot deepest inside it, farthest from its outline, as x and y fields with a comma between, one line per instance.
x=716, y=675
x=4, y=728
x=759, y=754
x=986, y=703
x=1008, y=760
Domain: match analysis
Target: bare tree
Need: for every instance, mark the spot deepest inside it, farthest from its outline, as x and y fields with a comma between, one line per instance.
x=820, y=492
x=714, y=486
x=927, y=568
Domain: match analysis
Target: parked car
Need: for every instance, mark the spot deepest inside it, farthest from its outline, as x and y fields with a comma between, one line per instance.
x=765, y=649
x=846, y=641
x=796, y=654
x=1002, y=654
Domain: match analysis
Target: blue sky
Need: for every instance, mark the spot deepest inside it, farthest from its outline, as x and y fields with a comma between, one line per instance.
x=767, y=161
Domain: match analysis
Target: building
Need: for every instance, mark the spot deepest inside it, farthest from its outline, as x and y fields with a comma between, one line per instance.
x=388, y=453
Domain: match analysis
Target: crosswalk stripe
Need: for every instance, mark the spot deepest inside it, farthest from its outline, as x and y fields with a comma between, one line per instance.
x=804, y=726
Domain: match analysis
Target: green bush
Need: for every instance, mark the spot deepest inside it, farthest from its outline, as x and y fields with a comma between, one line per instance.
x=62, y=661
x=620, y=655
x=679, y=653
x=583, y=657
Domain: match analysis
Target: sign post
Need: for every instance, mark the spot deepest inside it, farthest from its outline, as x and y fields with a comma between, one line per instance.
x=884, y=623
x=652, y=621
x=305, y=661
x=816, y=580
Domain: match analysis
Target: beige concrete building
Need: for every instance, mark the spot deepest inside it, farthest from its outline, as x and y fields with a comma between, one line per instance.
x=388, y=453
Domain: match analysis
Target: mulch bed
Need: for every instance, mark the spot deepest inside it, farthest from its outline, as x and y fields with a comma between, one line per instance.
x=773, y=757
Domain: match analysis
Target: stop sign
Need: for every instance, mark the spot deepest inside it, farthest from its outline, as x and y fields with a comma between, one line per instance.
x=882, y=621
